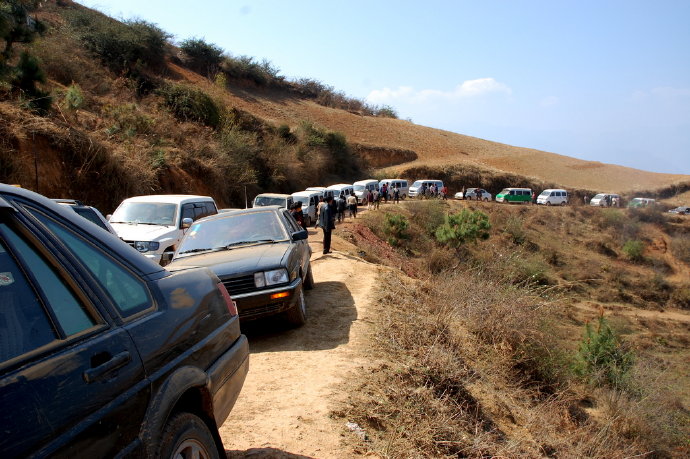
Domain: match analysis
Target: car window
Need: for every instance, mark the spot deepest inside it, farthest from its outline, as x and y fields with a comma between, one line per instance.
x=24, y=323
x=291, y=223
x=90, y=215
x=126, y=291
x=188, y=211
x=210, y=208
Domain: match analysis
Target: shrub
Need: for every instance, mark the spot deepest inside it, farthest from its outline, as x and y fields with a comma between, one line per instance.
x=601, y=357
x=464, y=226
x=74, y=97
x=514, y=227
x=386, y=112
x=203, y=57
x=189, y=104
x=27, y=73
x=680, y=297
x=128, y=120
x=680, y=247
x=429, y=215
x=246, y=67
x=634, y=249
x=395, y=226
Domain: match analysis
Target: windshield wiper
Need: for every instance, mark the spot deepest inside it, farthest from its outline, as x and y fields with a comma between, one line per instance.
x=256, y=241
x=215, y=249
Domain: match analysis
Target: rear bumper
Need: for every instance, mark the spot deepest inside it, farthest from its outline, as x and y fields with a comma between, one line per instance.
x=226, y=377
x=264, y=303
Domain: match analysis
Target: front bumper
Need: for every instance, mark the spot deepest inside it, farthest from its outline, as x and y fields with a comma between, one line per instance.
x=226, y=378
x=263, y=303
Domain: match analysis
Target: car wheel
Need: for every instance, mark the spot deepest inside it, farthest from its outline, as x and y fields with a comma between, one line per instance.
x=186, y=436
x=403, y=196
x=364, y=201
x=297, y=315
x=486, y=199
x=309, y=280
x=563, y=203
x=548, y=203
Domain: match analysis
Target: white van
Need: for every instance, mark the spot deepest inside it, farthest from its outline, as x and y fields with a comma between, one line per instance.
x=602, y=201
x=416, y=187
x=321, y=190
x=362, y=188
x=553, y=197
x=155, y=224
x=341, y=188
x=273, y=199
x=400, y=183
x=310, y=202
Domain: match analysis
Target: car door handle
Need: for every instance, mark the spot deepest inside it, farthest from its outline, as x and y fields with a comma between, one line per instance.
x=117, y=361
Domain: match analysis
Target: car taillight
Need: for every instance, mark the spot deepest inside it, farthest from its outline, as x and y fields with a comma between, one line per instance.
x=232, y=306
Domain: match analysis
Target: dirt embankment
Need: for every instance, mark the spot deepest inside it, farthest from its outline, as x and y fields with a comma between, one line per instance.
x=374, y=156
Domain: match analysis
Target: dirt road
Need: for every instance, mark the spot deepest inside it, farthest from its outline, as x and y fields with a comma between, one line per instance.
x=294, y=375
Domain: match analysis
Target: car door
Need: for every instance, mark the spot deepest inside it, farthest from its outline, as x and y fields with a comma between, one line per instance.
x=89, y=380
x=301, y=247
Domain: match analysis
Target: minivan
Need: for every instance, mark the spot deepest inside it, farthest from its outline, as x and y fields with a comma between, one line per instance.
x=362, y=189
x=642, y=202
x=273, y=199
x=323, y=193
x=400, y=183
x=155, y=224
x=416, y=187
x=342, y=188
x=553, y=197
x=310, y=202
x=509, y=195
x=601, y=199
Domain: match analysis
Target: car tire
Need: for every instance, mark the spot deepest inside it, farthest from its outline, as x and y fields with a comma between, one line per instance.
x=403, y=196
x=548, y=203
x=309, y=280
x=486, y=199
x=563, y=203
x=297, y=315
x=186, y=435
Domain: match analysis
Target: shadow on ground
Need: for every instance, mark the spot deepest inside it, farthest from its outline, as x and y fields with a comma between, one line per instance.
x=260, y=453
x=330, y=313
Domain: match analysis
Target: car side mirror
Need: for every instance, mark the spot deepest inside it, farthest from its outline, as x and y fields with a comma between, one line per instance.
x=166, y=258
x=108, y=217
x=186, y=223
x=301, y=235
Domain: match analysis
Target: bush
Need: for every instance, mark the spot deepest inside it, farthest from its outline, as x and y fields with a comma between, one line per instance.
x=128, y=120
x=634, y=249
x=386, y=112
x=514, y=227
x=204, y=57
x=601, y=357
x=429, y=215
x=189, y=104
x=74, y=97
x=680, y=297
x=27, y=73
x=246, y=67
x=395, y=226
x=464, y=226
x=680, y=247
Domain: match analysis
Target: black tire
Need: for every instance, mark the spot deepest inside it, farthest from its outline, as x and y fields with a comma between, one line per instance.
x=185, y=434
x=297, y=315
x=548, y=203
x=486, y=199
x=563, y=203
x=309, y=280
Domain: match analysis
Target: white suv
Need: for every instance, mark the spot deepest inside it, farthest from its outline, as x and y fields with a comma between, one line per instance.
x=155, y=224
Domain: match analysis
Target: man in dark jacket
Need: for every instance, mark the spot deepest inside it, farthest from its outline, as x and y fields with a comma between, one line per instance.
x=327, y=223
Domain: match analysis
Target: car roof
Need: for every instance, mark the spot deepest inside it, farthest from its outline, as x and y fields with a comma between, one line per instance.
x=169, y=198
x=306, y=193
x=362, y=182
x=273, y=195
x=339, y=185
x=251, y=210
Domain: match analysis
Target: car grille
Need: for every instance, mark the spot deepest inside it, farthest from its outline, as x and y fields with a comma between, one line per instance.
x=239, y=285
x=261, y=310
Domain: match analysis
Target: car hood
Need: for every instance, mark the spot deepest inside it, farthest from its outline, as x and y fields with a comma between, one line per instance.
x=239, y=260
x=136, y=232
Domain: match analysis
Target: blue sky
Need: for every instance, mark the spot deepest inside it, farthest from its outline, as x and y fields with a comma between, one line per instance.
x=598, y=80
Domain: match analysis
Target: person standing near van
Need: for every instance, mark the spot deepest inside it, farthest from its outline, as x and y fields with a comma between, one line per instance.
x=444, y=192
x=352, y=205
x=327, y=223
x=396, y=195
x=376, y=198
x=586, y=199
x=384, y=192
x=340, y=208
x=296, y=212
x=370, y=199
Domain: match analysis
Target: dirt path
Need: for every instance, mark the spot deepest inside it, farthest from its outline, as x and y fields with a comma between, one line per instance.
x=292, y=385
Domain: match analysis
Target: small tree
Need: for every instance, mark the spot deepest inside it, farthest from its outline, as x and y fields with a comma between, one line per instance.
x=204, y=57
x=395, y=227
x=634, y=249
x=464, y=226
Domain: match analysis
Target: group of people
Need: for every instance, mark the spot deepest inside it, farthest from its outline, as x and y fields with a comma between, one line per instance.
x=434, y=191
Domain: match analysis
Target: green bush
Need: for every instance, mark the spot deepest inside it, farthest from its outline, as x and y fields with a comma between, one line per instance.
x=464, y=226
x=428, y=214
x=246, y=67
x=74, y=97
x=27, y=73
x=602, y=358
x=204, y=57
x=634, y=249
x=395, y=227
x=386, y=112
x=189, y=104
x=514, y=227
x=127, y=120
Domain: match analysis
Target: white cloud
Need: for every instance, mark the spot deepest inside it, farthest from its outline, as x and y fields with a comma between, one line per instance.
x=549, y=101
x=470, y=88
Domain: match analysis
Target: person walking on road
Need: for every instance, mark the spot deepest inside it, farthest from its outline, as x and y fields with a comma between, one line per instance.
x=444, y=192
x=352, y=205
x=534, y=197
x=327, y=223
x=376, y=198
x=370, y=200
x=396, y=195
x=340, y=207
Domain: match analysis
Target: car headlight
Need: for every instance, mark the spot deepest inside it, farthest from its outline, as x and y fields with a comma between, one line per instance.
x=276, y=276
x=146, y=246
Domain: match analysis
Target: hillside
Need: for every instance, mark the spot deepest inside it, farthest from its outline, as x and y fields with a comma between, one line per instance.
x=132, y=114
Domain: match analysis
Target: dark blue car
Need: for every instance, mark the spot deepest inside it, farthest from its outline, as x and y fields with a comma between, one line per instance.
x=102, y=352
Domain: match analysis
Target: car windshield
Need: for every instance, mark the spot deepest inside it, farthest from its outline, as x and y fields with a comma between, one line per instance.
x=359, y=187
x=599, y=196
x=545, y=193
x=147, y=213
x=505, y=191
x=235, y=230
x=303, y=199
x=418, y=183
x=261, y=201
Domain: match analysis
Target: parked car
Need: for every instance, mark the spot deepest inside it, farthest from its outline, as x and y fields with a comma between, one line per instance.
x=601, y=199
x=260, y=254
x=155, y=224
x=478, y=194
x=641, y=202
x=392, y=183
x=416, y=187
x=510, y=195
x=310, y=203
x=682, y=210
x=320, y=189
x=341, y=188
x=553, y=197
x=273, y=199
x=104, y=353
x=362, y=188
x=90, y=213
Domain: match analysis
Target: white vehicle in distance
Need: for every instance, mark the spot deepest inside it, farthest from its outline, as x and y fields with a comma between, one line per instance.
x=478, y=194
x=155, y=224
x=273, y=199
x=392, y=183
x=553, y=197
x=310, y=202
x=416, y=188
x=320, y=189
x=362, y=189
x=604, y=199
x=341, y=188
